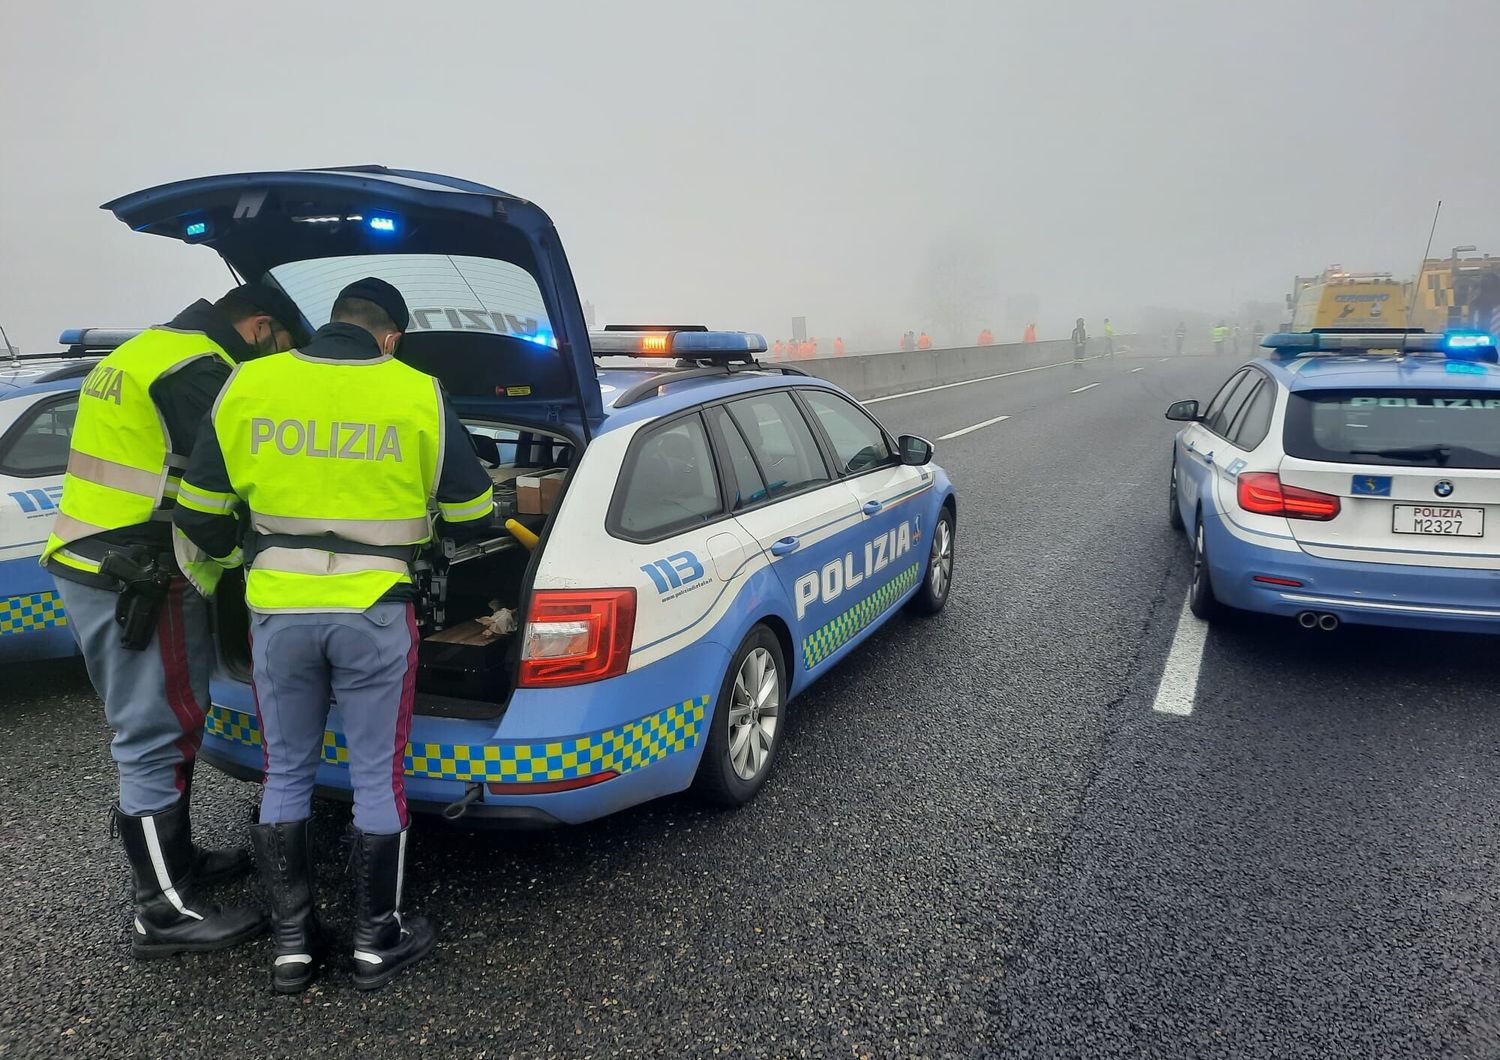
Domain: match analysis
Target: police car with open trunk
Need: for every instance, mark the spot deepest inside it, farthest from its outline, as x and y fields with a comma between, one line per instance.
x=690, y=538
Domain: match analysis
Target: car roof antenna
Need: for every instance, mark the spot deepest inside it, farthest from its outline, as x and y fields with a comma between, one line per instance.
x=1411, y=299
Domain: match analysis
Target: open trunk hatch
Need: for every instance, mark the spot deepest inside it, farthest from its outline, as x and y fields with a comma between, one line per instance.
x=495, y=313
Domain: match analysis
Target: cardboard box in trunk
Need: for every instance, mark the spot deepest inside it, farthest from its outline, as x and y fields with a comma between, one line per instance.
x=536, y=493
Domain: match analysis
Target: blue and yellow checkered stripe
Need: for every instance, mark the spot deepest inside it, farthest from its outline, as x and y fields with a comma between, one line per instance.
x=634, y=745
x=823, y=642
x=25, y=614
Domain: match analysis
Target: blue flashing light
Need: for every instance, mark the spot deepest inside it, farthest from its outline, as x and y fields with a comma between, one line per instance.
x=1467, y=340
x=542, y=338
x=72, y=336
x=197, y=228
x=386, y=225
x=1470, y=346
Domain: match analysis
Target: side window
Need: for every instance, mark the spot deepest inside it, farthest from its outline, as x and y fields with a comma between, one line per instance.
x=37, y=444
x=1220, y=420
x=1216, y=406
x=781, y=440
x=1254, y=420
x=669, y=483
x=749, y=487
x=858, y=441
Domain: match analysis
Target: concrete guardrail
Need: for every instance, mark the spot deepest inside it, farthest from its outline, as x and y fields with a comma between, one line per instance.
x=878, y=374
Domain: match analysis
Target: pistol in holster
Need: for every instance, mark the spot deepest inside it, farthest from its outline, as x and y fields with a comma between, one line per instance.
x=144, y=583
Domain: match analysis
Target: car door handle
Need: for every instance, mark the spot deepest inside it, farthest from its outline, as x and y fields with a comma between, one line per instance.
x=871, y=507
x=784, y=546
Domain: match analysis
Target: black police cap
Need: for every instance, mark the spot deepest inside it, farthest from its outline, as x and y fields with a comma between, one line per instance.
x=274, y=303
x=374, y=289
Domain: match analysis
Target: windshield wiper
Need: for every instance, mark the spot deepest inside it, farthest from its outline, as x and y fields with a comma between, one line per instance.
x=1439, y=453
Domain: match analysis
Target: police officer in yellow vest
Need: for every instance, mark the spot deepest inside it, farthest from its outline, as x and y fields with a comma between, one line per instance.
x=336, y=453
x=138, y=415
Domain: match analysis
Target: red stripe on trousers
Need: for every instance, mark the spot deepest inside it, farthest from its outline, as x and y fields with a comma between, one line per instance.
x=260, y=723
x=172, y=641
x=403, y=717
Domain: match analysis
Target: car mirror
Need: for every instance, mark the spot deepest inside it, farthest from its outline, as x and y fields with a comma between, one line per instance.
x=915, y=451
x=1186, y=411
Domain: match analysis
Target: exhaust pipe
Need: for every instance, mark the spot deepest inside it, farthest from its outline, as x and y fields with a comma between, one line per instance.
x=1307, y=619
x=1328, y=623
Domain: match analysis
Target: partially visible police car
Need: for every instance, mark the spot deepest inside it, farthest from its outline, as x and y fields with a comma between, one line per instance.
x=692, y=538
x=1348, y=477
x=38, y=403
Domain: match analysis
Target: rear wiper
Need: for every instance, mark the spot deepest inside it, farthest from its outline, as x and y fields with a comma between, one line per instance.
x=1440, y=453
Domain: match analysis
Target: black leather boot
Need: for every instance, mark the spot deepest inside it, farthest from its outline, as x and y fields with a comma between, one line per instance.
x=286, y=870
x=211, y=867
x=385, y=942
x=169, y=917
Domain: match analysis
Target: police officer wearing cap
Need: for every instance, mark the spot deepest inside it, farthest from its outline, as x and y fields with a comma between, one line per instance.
x=334, y=453
x=138, y=415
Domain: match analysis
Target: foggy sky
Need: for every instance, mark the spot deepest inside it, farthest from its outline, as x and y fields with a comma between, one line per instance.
x=741, y=163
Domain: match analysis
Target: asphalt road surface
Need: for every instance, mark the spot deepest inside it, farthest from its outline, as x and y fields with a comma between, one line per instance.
x=982, y=837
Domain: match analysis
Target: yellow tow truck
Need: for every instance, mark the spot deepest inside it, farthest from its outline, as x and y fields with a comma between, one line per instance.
x=1457, y=292
x=1361, y=301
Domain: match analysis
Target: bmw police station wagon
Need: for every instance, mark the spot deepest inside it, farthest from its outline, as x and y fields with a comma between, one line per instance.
x=1348, y=477
x=38, y=402
x=690, y=538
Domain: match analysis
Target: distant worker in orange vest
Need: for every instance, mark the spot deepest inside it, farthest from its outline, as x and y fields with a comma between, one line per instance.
x=779, y=348
x=906, y=342
x=924, y=342
x=838, y=347
x=1030, y=335
x=986, y=337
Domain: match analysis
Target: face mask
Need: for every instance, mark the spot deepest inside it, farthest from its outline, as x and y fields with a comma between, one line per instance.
x=267, y=344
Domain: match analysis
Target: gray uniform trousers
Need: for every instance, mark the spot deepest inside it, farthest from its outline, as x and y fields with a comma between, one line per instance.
x=366, y=663
x=153, y=699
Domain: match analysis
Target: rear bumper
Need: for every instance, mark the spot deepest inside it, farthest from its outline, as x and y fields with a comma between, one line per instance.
x=1386, y=594
x=565, y=738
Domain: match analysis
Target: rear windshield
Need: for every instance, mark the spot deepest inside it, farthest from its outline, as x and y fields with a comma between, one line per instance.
x=444, y=292
x=1414, y=428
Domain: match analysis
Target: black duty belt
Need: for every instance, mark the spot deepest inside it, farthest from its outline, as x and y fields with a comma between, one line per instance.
x=330, y=543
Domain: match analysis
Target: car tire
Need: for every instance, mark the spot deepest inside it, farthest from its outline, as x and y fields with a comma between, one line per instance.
x=937, y=577
x=1201, y=599
x=1174, y=513
x=747, y=723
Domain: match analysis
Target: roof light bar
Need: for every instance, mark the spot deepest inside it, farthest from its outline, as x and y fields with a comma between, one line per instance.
x=705, y=345
x=1471, y=345
x=100, y=338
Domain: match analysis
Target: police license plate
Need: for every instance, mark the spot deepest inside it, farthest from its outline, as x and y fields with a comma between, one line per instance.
x=1440, y=519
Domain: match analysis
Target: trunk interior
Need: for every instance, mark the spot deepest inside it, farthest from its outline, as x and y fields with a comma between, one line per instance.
x=467, y=661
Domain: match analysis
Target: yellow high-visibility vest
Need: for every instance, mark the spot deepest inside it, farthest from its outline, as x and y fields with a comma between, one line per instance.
x=338, y=463
x=120, y=470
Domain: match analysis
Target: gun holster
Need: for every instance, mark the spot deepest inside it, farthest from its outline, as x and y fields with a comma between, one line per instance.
x=144, y=584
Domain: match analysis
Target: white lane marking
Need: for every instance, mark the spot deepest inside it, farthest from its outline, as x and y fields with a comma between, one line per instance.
x=1179, y=678
x=963, y=382
x=1165, y=359
x=975, y=427
x=1142, y=368
x=1083, y=388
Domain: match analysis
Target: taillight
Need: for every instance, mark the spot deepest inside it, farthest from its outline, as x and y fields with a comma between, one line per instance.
x=1263, y=493
x=574, y=636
